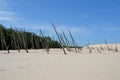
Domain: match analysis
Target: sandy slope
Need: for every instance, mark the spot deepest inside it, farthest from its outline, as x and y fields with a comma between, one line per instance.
x=38, y=65
x=110, y=46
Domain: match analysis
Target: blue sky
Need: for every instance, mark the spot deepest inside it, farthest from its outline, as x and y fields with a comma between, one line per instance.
x=88, y=20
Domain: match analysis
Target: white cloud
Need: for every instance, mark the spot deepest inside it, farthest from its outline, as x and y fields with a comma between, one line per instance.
x=76, y=30
x=6, y=14
x=48, y=29
x=10, y=16
x=3, y=4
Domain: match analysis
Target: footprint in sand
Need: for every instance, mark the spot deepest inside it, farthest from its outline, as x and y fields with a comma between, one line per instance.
x=39, y=65
x=2, y=69
x=21, y=67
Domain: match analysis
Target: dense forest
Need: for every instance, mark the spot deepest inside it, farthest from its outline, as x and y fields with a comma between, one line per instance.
x=16, y=39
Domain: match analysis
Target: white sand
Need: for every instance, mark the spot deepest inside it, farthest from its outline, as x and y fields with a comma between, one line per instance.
x=38, y=65
x=110, y=46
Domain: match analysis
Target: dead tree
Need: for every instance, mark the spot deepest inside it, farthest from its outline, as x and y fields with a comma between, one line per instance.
x=24, y=39
x=45, y=42
x=73, y=41
x=98, y=50
x=59, y=38
x=32, y=41
x=63, y=44
x=101, y=48
x=67, y=43
x=107, y=45
x=3, y=42
x=14, y=38
x=90, y=50
x=116, y=48
x=20, y=40
x=37, y=42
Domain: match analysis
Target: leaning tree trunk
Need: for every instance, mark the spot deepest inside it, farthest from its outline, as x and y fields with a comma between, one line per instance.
x=3, y=42
x=24, y=38
x=73, y=41
x=59, y=38
x=45, y=43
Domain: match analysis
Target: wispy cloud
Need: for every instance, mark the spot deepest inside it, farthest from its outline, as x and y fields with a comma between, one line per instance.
x=10, y=16
x=6, y=14
x=3, y=5
x=49, y=29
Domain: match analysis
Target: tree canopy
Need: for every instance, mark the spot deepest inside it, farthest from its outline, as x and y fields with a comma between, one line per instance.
x=20, y=39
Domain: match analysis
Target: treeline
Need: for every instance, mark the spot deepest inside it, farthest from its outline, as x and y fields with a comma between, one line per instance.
x=16, y=39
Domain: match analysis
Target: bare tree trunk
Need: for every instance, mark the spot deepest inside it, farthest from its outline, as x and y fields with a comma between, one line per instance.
x=32, y=41
x=107, y=45
x=90, y=50
x=15, y=41
x=3, y=42
x=73, y=41
x=98, y=50
x=116, y=48
x=24, y=36
x=59, y=38
x=63, y=44
x=101, y=48
x=57, y=33
x=67, y=42
x=45, y=42
x=1, y=39
x=47, y=46
x=20, y=40
x=37, y=42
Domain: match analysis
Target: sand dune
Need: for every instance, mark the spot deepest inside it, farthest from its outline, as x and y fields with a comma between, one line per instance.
x=38, y=65
x=111, y=46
